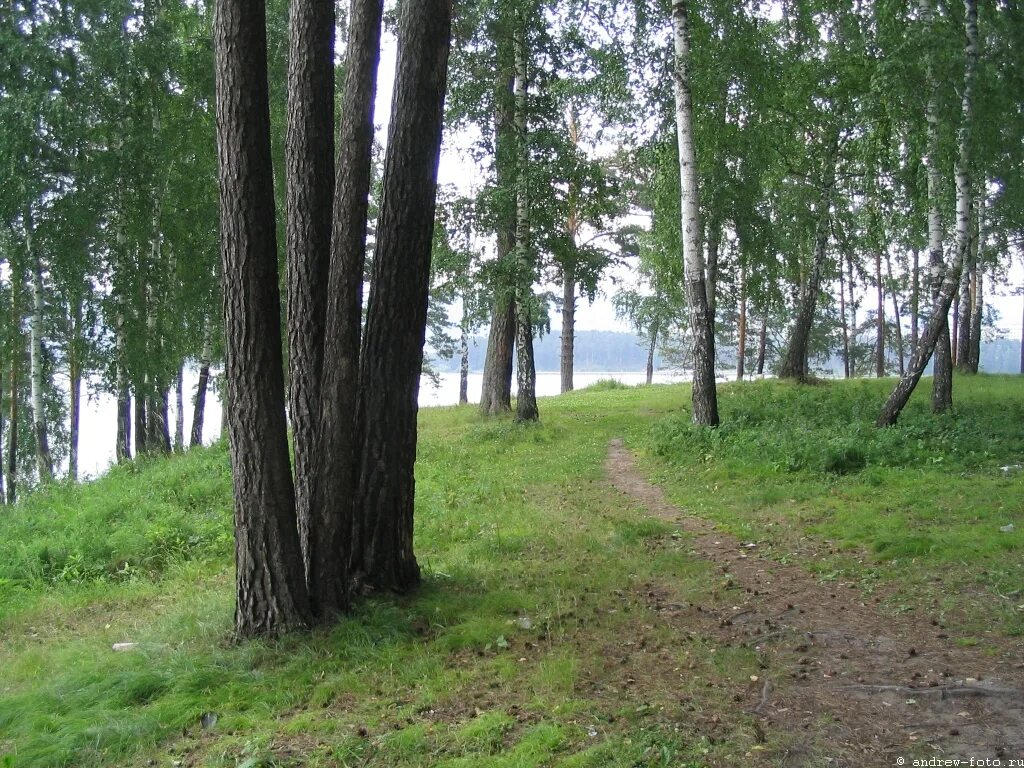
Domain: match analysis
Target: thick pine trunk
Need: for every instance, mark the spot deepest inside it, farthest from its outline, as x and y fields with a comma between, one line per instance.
x=568, y=352
x=879, y=318
x=329, y=550
x=931, y=338
x=392, y=354
x=270, y=585
x=496, y=390
x=526, y=373
x=705, y=395
x=794, y=364
x=309, y=185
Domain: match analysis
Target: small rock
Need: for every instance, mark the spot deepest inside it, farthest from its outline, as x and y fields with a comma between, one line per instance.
x=1007, y=528
x=208, y=720
x=524, y=622
x=124, y=646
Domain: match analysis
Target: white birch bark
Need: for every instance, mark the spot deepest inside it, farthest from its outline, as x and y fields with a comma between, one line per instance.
x=705, y=396
x=44, y=464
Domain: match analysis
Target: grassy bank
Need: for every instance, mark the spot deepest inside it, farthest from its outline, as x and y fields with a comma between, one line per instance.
x=527, y=643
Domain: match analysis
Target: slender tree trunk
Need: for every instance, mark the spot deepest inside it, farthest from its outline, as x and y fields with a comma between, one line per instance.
x=141, y=428
x=915, y=297
x=44, y=464
x=762, y=346
x=1021, y=347
x=75, y=397
x=3, y=495
x=705, y=395
x=12, y=432
x=652, y=345
x=879, y=318
x=309, y=182
x=464, y=355
x=329, y=551
x=974, y=356
x=270, y=586
x=526, y=373
x=954, y=327
x=199, y=410
x=845, y=324
x=896, y=314
x=179, y=410
x=12, y=388
x=392, y=355
x=944, y=296
x=741, y=331
x=568, y=351
x=853, y=316
x=942, y=382
x=794, y=364
x=714, y=250
x=496, y=390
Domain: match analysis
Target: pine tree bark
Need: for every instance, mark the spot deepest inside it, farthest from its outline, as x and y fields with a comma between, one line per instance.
x=705, y=396
x=270, y=586
x=309, y=185
x=795, y=364
x=496, y=389
x=329, y=551
x=392, y=354
x=931, y=336
x=526, y=373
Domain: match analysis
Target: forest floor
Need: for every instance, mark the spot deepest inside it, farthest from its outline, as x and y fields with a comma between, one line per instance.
x=612, y=587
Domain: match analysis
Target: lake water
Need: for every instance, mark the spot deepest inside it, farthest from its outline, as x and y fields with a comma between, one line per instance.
x=99, y=412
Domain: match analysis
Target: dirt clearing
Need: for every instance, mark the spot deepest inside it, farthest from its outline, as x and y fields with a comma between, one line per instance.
x=842, y=680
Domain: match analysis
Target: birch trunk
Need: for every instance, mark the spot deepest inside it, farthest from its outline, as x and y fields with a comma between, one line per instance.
x=652, y=345
x=74, y=389
x=896, y=314
x=915, y=296
x=464, y=355
x=568, y=350
x=940, y=309
x=179, y=410
x=879, y=318
x=44, y=464
x=762, y=346
x=845, y=324
x=705, y=395
x=741, y=333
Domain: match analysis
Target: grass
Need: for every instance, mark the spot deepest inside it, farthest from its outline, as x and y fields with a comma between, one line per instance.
x=519, y=648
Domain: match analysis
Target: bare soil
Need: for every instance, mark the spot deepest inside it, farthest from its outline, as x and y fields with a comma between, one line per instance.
x=843, y=682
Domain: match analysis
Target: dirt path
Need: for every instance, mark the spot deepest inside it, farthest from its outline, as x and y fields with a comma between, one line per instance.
x=860, y=687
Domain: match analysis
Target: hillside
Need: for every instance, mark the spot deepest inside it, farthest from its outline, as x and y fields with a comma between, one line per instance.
x=613, y=587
